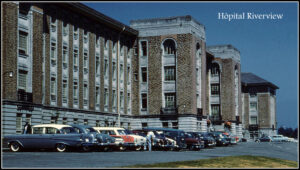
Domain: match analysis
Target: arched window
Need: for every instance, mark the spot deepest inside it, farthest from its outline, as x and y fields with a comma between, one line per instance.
x=169, y=47
x=215, y=69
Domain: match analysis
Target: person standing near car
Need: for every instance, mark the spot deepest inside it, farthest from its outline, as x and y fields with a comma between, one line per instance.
x=27, y=128
x=150, y=136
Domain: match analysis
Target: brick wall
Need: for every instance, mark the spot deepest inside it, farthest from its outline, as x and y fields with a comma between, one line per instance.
x=9, y=50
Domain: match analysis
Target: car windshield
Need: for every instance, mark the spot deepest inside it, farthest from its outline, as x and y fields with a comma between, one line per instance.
x=67, y=130
x=188, y=135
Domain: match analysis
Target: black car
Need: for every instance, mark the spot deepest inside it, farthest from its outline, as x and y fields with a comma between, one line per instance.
x=264, y=139
x=221, y=140
x=209, y=141
x=103, y=142
x=175, y=134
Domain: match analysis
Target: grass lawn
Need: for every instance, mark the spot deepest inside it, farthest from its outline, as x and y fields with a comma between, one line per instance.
x=226, y=162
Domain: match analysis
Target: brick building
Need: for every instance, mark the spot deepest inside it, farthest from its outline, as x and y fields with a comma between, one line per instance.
x=157, y=72
x=259, y=105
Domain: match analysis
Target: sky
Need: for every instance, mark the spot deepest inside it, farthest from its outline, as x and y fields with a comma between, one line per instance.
x=268, y=48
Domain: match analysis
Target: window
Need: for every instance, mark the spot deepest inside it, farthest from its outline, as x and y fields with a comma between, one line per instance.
x=22, y=80
x=75, y=33
x=97, y=64
x=85, y=91
x=54, y=119
x=106, y=97
x=65, y=29
x=197, y=76
x=144, y=125
x=144, y=101
x=53, y=89
x=114, y=47
x=170, y=100
x=105, y=68
x=144, y=74
x=106, y=46
x=253, y=106
x=122, y=50
x=175, y=125
x=50, y=130
x=114, y=70
x=53, y=24
x=169, y=73
x=253, y=120
x=19, y=123
x=23, y=14
x=65, y=54
x=23, y=42
x=85, y=60
x=75, y=93
x=97, y=123
x=98, y=41
x=114, y=98
x=85, y=122
x=165, y=124
x=85, y=37
x=144, y=48
x=75, y=120
x=128, y=100
x=65, y=91
x=53, y=54
x=75, y=58
x=121, y=73
x=215, y=70
x=64, y=121
x=121, y=100
x=169, y=47
x=215, y=89
x=38, y=130
x=97, y=95
x=215, y=111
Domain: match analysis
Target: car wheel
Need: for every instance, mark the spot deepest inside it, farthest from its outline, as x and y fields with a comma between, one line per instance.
x=122, y=148
x=106, y=149
x=138, y=148
x=15, y=147
x=60, y=147
x=85, y=148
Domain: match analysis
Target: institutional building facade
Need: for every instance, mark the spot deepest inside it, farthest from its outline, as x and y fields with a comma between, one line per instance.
x=67, y=63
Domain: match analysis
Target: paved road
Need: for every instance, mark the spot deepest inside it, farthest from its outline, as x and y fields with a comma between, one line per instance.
x=41, y=159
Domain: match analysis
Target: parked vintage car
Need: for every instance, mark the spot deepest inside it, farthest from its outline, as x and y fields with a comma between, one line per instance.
x=264, y=139
x=230, y=138
x=193, y=143
x=175, y=134
x=279, y=138
x=50, y=136
x=209, y=141
x=160, y=142
x=102, y=142
x=131, y=141
x=220, y=138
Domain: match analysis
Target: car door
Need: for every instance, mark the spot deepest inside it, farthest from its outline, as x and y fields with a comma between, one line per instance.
x=34, y=140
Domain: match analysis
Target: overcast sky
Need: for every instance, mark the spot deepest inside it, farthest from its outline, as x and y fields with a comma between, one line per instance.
x=268, y=47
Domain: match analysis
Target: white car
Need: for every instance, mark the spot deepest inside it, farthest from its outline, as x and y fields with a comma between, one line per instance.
x=279, y=138
x=130, y=140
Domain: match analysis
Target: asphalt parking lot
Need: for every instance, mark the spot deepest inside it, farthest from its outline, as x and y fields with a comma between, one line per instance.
x=40, y=159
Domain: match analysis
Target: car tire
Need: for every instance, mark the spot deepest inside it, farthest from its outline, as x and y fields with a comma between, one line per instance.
x=85, y=148
x=122, y=148
x=60, y=147
x=139, y=148
x=15, y=147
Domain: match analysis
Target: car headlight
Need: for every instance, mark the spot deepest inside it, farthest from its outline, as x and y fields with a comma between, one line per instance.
x=87, y=140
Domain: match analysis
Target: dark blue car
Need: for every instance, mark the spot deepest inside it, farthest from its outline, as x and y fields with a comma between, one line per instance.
x=102, y=141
